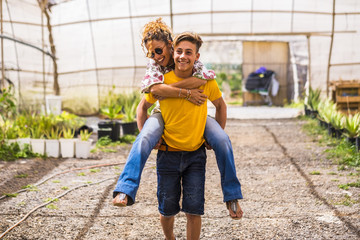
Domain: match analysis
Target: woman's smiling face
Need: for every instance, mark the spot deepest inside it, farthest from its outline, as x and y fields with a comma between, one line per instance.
x=160, y=52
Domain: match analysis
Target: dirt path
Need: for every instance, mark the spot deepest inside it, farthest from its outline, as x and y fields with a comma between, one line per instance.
x=282, y=200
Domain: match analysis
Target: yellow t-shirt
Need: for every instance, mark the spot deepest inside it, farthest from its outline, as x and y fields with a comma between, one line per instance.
x=184, y=121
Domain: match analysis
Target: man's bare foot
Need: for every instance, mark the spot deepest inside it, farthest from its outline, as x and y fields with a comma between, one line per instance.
x=120, y=200
x=234, y=208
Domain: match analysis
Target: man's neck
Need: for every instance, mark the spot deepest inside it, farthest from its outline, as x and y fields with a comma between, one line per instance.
x=181, y=74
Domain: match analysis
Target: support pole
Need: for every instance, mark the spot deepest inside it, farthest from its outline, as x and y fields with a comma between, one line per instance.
x=309, y=65
x=2, y=47
x=43, y=55
x=212, y=16
x=94, y=52
x=330, y=51
x=56, y=86
x=20, y=99
x=133, y=42
x=171, y=16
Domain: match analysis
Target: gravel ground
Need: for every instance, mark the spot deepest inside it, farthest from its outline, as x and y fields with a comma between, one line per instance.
x=274, y=159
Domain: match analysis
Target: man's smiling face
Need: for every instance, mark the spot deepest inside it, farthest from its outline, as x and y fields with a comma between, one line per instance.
x=185, y=55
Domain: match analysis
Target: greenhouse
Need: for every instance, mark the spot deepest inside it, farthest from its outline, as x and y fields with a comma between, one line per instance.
x=75, y=121
x=60, y=47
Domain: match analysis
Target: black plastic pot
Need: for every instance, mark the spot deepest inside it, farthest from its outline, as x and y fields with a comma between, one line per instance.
x=331, y=130
x=338, y=133
x=313, y=113
x=351, y=140
x=357, y=143
x=103, y=132
x=322, y=123
x=113, y=125
x=129, y=128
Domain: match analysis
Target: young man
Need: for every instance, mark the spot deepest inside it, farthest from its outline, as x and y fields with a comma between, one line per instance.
x=181, y=161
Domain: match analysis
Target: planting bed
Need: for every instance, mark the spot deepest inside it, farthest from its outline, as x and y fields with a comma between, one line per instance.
x=290, y=191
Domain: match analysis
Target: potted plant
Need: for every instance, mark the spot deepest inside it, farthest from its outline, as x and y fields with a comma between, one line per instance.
x=312, y=102
x=326, y=111
x=37, y=140
x=24, y=137
x=352, y=128
x=337, y=123
x=11, y=132
x=320, y=115
x=110, y=128
x=67, y=143
x=52, y=145
x=129, y=125
x=82, y=147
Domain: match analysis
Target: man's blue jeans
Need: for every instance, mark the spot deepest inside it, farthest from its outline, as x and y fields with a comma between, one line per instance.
x=153, y=128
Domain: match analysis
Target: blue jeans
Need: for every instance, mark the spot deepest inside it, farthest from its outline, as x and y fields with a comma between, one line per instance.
x=153, y=128
x=178, y=171
x=220, y=142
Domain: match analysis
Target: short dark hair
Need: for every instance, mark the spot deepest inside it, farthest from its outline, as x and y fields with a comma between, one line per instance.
x=189, y=36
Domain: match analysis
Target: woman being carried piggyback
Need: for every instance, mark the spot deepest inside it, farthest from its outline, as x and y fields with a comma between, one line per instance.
x=157, y=39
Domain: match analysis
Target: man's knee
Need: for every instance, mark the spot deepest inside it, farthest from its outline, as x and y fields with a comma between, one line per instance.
x=192, y=217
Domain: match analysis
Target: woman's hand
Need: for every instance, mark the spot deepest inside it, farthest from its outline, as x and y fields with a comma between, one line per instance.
x=197, y=97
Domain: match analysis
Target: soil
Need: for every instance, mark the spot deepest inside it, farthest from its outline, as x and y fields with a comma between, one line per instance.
x=275, y=162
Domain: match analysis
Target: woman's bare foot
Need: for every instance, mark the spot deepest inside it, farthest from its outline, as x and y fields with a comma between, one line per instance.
x=120, y=200
x=235, y=211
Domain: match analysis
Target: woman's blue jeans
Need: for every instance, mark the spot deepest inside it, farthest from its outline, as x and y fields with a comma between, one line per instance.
x=153, y=128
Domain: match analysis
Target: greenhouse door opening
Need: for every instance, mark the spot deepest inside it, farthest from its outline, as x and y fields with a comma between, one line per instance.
x=273, y=56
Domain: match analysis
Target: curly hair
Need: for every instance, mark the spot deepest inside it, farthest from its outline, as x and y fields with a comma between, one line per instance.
x=155, y=30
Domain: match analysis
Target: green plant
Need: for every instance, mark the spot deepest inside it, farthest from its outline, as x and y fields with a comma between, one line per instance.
x=69, y=120
x=103, y=141
x=326, y=109
x=13, y=195
x=340, y=151
x=7, y=104
x=112, y=112
x=130, y=112
x=85, y=135
x=68, y=133
x=352, y=125
x=315, y=173
x=21, y=175
x=31, y=188
x=10, y=131
x=312, y=100
x=52, y=206
x=54, y=133
x=128, y=138
x=37, y=131
x=336, y=119
x=347, y=201
x=51, y=200
x=23, y=132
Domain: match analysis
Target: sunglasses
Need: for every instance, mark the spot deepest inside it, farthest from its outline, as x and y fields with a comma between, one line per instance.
x=157, y=51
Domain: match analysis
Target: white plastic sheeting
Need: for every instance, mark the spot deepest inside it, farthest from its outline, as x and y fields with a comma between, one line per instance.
x=98, y=42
